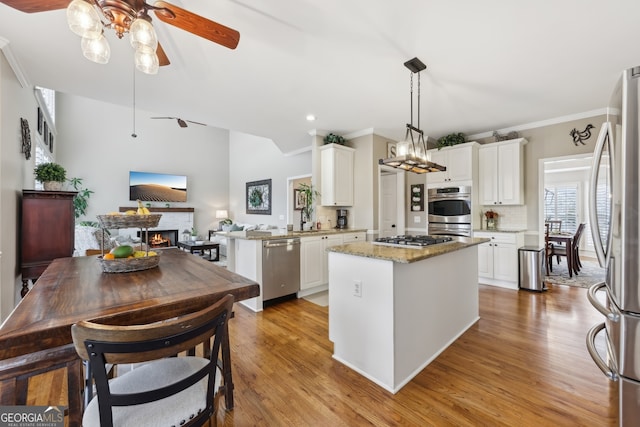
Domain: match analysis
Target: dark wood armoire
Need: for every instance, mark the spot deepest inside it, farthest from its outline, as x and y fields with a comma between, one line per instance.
x=47, y=226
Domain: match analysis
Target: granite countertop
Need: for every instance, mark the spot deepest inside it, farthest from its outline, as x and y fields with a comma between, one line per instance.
x=405, y=255
x=267, y=235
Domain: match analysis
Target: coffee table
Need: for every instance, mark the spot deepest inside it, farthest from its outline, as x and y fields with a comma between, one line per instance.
x=192, y=246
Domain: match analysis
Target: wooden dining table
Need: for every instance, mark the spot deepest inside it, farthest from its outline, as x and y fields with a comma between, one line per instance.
x=37, y=334
x=567, y=240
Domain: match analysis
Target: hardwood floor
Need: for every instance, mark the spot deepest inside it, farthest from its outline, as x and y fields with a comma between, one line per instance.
x=523, y=363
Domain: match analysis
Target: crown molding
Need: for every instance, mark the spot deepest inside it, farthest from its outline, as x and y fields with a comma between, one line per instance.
x=13, y=63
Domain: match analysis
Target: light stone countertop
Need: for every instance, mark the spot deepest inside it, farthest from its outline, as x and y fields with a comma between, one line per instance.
x=405, y=255
x=500, y=230
x=267, y=235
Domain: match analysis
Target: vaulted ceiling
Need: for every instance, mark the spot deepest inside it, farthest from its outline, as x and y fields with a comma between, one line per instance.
x=490, y=64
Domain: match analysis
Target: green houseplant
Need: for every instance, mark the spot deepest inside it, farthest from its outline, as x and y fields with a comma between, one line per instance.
x=81, y=200
x=332, y=138
x=51, y=175
x=451, y=140
x=309, y=196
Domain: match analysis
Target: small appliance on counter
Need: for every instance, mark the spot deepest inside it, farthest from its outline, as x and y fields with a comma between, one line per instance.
x=342, y=219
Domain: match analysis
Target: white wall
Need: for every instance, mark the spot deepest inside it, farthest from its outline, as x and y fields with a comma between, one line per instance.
x=255, y=158
x=94, y=143
x=16, y=173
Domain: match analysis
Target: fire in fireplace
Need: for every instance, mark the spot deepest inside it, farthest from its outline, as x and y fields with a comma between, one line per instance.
x=160, y=238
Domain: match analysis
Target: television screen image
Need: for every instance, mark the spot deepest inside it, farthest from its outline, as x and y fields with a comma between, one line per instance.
x=157, y=187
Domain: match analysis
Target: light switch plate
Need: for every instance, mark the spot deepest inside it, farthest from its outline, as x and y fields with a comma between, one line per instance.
x=416, y=219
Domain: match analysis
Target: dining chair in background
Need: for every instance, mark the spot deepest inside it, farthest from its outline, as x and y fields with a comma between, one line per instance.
x=561, y=250
x=167, y=390
x=555, y=226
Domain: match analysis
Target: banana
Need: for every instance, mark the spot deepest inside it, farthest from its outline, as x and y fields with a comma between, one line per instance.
x=142, y=210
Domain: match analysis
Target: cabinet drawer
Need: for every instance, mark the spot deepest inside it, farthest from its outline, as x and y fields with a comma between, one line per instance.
x=498, y=237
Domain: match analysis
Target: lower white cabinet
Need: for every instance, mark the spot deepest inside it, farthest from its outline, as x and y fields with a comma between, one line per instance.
x=354, y=237
x=314, y=259
x=498, y=258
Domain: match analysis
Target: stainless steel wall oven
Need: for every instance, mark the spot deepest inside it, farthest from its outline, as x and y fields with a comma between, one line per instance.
x=450, y=211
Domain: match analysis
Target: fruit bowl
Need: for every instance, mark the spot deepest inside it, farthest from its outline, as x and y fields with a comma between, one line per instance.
x=129, y=221
x=126, y=265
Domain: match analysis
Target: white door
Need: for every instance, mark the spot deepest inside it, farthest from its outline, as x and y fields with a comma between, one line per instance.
x=388, y=184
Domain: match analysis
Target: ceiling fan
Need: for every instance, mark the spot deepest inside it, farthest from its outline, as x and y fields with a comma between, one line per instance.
x=181, y=123
x=119, y=15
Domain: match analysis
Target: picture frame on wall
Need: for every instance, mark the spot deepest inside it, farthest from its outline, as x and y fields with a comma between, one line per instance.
x=40, y=120
x=391, y=150
x=417, y=197
x=50, y=142
x=299, y=199
x=258, y=197
x=45, y=135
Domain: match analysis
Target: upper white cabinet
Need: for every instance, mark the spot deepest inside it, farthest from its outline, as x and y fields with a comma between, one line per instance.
x=501, y=172
x=460, y=161
x=336, y=182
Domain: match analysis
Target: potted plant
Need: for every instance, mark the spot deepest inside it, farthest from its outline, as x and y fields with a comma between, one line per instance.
x=51, y=175
x=492, y=219
x=194, y=233
x=81, y=200
x=451, y=140
x=332, y=138
x=309, y=196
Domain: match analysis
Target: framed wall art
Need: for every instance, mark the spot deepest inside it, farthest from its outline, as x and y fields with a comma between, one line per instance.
x=417, y=197
x=50, y=142
x=40, y=120
x=45, y=135
x=259, y=197
x=299, y=199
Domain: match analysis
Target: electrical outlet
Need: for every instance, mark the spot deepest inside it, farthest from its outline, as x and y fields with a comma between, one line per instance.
x=416, y=219
x=281, y=217
x=357, y=288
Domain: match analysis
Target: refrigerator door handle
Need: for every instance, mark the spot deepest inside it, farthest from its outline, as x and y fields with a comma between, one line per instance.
x=591, y=295
x=591, y=348
x=603, y=138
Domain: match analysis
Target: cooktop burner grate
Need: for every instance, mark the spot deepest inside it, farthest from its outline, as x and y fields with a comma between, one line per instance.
x=412, y=241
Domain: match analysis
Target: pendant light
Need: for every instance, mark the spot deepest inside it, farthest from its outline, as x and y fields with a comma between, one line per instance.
x=411, y=153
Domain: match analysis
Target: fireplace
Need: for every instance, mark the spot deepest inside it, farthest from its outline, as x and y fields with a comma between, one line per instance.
x=160, y=238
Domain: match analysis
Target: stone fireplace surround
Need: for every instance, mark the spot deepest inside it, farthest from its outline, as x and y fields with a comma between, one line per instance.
x=172, y=219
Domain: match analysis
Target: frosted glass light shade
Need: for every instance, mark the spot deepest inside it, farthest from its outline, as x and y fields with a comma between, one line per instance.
x=143, y=35
x=146, y=61
x=83, y=19
x=96, y=50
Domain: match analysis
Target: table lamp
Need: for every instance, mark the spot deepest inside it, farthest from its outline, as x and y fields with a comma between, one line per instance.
x=221, y=214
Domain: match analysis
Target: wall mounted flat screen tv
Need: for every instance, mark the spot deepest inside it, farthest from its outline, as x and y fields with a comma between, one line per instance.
x=157, y=187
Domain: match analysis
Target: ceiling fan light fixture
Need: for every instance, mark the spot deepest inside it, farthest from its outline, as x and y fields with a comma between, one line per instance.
x=143, y=34
x=146, y=60
x=96, y=50
x=83, y=19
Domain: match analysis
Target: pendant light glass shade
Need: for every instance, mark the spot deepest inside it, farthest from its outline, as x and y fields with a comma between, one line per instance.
x=143, y=35
x=96, y=50
x=146, y=61
x=83, y=19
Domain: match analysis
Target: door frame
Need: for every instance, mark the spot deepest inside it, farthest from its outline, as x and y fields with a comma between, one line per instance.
x=400, y=198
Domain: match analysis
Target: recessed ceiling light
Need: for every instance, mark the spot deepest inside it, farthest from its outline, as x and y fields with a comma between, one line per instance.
x=311, y=117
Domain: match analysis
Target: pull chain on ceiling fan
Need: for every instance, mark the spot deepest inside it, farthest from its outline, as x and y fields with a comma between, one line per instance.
x=129, y=16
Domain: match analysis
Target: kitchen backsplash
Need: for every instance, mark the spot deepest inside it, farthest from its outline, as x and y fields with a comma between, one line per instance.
x=509, y=217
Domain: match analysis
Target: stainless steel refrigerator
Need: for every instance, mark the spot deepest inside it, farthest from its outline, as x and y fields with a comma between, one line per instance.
x=614, y=216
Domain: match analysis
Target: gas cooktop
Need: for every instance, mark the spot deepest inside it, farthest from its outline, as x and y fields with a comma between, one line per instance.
x=411, y=241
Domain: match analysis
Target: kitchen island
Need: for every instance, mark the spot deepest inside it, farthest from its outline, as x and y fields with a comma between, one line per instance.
x=393, y=310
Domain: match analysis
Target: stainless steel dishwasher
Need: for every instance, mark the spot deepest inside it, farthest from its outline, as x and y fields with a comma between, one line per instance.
x=280, y=268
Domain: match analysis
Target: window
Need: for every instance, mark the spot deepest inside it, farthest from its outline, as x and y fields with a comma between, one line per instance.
x=561, y=203
x=46, y=99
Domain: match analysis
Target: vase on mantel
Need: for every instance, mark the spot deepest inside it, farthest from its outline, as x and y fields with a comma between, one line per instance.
x=52, y=185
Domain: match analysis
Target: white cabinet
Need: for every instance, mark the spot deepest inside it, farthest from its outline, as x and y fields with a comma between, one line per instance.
x=498, y=258
x=336, y=180
x=460, y=161
x=314, y=259
x=360, y=236
x=501, y=172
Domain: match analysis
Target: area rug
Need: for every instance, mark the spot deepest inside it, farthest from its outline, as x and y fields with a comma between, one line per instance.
x=590, y=274
x=321, y=298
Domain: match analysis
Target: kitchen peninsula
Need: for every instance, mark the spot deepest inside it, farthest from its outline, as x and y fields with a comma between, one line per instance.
x=393, y=310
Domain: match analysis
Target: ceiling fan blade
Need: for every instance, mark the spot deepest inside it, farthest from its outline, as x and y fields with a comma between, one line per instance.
x=34, y=6
x=196, y=123
x=162, y=56
x=181, y=123
x=197, y=25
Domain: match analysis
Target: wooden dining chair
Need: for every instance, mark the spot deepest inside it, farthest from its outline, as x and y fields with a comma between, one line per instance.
x=548, y=248
x=555, y=226
x=172, y=391
x=561, y=250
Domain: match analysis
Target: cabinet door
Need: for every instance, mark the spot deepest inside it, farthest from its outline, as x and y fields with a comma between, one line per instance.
x=505, y=262
x=439, y=157
x=336, y=187
x=485, y=260
x=311, y=262
x=460, y=164
x=510, y=176
x=488, y=175
x=328, y=242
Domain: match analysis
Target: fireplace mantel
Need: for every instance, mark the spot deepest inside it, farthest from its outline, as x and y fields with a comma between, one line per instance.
x=156, y=209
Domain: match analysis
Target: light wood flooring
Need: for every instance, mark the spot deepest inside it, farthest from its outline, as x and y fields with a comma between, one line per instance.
x=524, y=363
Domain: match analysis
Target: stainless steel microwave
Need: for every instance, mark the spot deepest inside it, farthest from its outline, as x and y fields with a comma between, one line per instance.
x=450, y=205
